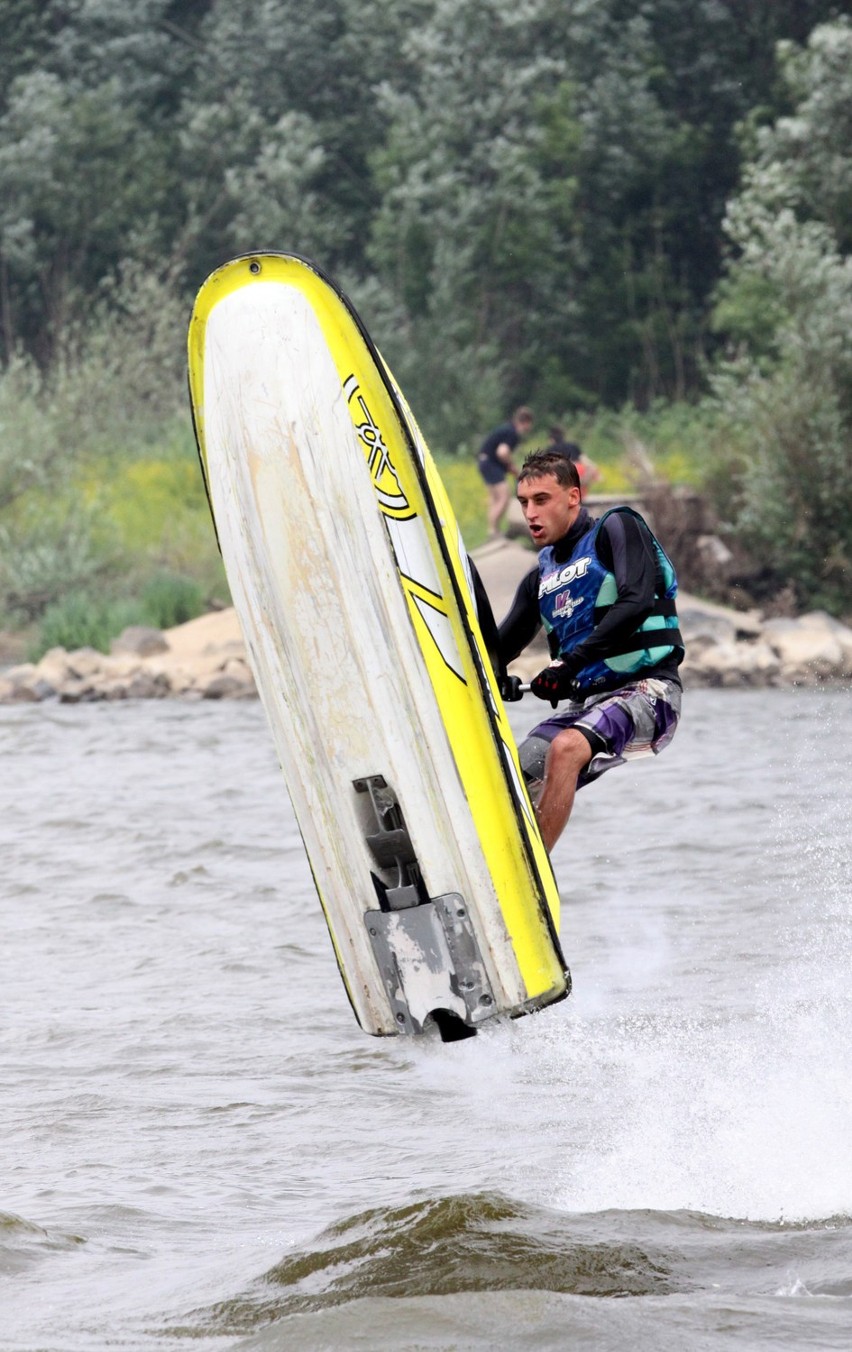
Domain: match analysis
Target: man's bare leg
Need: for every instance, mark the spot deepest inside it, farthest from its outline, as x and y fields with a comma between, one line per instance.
x=569, y=753
x=498, y=501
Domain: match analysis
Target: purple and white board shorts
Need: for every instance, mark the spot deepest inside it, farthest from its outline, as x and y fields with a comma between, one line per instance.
x=635, y=720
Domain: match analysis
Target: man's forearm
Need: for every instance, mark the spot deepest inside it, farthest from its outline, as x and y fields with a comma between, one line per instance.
x=523, y=621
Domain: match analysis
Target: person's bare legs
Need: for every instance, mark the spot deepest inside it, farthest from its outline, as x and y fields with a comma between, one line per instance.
x=569, y=753
x=498, y=501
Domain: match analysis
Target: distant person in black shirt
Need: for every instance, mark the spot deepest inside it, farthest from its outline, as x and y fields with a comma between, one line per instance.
x=586, y=468
x=495, y=462
x=605, y=592
x=558, y=444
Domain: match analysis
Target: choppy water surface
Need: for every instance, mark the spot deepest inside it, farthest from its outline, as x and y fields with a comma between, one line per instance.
x=201, y=1150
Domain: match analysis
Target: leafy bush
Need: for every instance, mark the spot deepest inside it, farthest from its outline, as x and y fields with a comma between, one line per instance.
x=169, y=599
x=81, y=620
x=48, y=549
x=31, y=452
x=99, y=478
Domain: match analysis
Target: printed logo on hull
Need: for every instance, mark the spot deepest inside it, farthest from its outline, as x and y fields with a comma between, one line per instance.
x=392, y=499
x=406, y=532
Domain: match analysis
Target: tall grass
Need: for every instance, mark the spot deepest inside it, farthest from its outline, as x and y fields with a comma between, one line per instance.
x=83, y=619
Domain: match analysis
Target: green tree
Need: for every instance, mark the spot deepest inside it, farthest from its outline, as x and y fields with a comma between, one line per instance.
x=660, y=88
x=524, y=196
x=82, y=181
x=551, y=186
x=88, y=171
x=26, y=29
x=277, y=126
x=460, y=237
x=785, y=307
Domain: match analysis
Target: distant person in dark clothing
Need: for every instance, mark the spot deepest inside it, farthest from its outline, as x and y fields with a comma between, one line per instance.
x=605, y=593
x=559, y=446
x=494, y=461
x=586, y=468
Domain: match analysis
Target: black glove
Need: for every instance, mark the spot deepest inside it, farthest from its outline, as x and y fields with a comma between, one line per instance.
x=510, y=688
x=556, y=682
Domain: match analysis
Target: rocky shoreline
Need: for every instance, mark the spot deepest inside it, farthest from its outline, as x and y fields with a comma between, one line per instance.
x=205, y=658
x=734, y=650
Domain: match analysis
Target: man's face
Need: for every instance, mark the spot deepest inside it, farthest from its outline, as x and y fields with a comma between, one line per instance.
x=549, y=508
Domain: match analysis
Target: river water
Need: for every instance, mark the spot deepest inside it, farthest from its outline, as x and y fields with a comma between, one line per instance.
x=201, y=1150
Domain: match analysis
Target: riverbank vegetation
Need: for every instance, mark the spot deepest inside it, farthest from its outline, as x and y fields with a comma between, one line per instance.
x=636, y=218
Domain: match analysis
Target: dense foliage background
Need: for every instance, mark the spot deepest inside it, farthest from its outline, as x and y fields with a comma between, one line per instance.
x=593, y=206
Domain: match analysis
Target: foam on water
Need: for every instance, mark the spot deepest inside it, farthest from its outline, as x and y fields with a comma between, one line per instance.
x=717, y=1119
x=702, y=1064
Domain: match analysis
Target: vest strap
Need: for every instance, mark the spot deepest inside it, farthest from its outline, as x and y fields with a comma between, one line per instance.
x=645, y=638
x=664, y=605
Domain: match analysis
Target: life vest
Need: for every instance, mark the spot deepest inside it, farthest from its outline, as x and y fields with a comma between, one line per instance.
x=574, y=596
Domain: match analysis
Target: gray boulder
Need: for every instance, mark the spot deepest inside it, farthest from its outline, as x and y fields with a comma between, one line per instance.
x=140, y=640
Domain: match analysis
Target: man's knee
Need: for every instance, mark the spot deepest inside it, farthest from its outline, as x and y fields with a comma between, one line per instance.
x=569, y=751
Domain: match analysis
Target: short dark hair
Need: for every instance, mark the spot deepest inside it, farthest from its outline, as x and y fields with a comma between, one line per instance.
x=540, y=463
x=523, y=414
